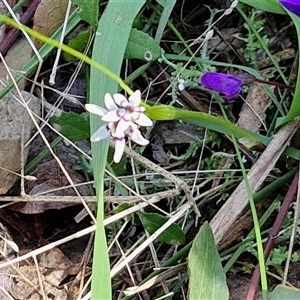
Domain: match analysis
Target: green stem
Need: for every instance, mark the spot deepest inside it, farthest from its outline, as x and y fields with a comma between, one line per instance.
x=260, y=250
x=15, y=8
x=69, y=50
x=263, y=45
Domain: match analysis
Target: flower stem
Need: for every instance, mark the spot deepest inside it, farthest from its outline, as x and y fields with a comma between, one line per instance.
x=69, y=50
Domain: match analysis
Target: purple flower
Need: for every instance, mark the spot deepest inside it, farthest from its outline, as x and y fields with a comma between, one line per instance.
x=225, y=84
x=291, y=5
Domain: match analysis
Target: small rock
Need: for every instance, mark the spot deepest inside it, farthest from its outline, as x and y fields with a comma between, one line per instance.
x=15, y=121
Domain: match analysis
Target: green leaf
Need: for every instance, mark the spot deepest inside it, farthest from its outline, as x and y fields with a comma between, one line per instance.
x=142, y=46
x=164, y=18
x=73, y=126
x=78, y=43
x=115, y=26
x=272, y=6
x=295, y=106
x=283, y=292
x=207, y=278
x=173, y=235
x=88, y=11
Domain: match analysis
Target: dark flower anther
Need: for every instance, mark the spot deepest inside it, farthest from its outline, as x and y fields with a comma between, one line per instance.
x=291, y=5
x=228, y=85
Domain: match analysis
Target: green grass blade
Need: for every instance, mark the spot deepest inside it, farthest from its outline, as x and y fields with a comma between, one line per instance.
x=164, y=18
x=295, y=106
x=109, y=48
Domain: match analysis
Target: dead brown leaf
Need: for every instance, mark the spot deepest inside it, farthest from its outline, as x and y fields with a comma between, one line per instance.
x=48, y=17
x=13, y=117
x=55, y=265
x=252, y=115
x=49, y=177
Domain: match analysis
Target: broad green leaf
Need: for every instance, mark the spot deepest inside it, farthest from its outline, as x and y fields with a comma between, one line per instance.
x=78, y=43
x=207, y=279
x=88, y=10
x=115, y=27
x=73, y=126
x=282, y=292
x=142, y=46
x=272, y=6
x=173, y=235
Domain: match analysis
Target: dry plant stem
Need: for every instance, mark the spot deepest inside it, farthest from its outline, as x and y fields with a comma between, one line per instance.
x=58, y=53
x=168, y=273
x=29, y=41
x=273, y=234
x=85, y=288
x=117, y=268
x=49, y=246
x=277, y=277
x=9, y=297
x=232, y=209
x=40, y=280
x=134, y=208
x=294, y=231
x=180, y=184
x=89, y=294
x=14, y=33
x=87, y=199
x=22, y=185
x=86, y=258
x=31, y=114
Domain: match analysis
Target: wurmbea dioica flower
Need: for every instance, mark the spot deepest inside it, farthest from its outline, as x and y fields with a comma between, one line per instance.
x=228, y=85
x=123, y=118
x=291, y=5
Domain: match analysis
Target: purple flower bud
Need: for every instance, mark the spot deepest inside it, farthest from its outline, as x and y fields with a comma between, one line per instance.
x=291, y=5
x=228, y=85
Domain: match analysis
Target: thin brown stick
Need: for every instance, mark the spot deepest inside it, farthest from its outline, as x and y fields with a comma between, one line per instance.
x=274, y=232
x=13, y=34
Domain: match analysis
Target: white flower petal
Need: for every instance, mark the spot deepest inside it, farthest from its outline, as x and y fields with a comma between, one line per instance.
x=119, y=148
x=121, y=127
x=141, y=119
x=132, y=126
x=111, y=116
x=126, y=117
x=121, y=100
x=95, y=109
x=135, y=98
x=109, y=102
x=102, y=133
x=137, y=137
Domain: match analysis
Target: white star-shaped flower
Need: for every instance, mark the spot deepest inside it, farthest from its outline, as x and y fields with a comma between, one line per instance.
x=123, y=118
x=124, y=111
